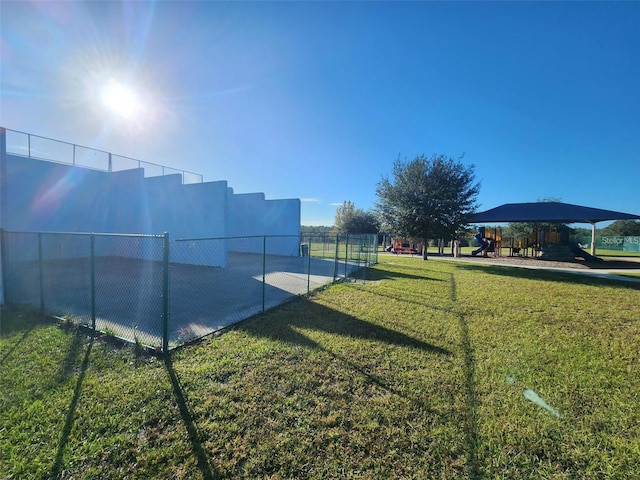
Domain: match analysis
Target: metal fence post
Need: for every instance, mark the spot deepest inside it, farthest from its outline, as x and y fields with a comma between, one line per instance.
x=335, y=258
x=309, y=266
x=93, y=282
x=264, y=269
x=373, y=249
x=40, y=273
x=373, y=258
x=364, y=244
x=324, y=240
x=346, y=255
x=165, y=294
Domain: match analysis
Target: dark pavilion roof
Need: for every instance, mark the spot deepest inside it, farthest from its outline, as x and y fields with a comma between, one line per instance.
x=554, y=212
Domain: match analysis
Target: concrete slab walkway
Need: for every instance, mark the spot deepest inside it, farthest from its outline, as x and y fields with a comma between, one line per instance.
x=610, y=267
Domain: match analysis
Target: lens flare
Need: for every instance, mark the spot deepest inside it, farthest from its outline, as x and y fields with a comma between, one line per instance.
x=121, y=100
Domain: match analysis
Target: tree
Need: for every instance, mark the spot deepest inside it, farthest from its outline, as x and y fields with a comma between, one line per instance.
x=350, y=219
x=622, y=228
x=314, y=229
x=428, y=198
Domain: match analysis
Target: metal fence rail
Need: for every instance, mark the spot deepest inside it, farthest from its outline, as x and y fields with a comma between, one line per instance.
x=43, y=148
x=161, y=293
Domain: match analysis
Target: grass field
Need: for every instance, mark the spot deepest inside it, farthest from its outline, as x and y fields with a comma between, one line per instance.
x=425, y=371
x=616, y=253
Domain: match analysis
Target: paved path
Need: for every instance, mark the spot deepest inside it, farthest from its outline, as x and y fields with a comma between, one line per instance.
x=610, y=268
x=607, y=273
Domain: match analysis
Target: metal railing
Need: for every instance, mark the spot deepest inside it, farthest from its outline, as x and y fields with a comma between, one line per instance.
x=160, y=293
x=43, y=148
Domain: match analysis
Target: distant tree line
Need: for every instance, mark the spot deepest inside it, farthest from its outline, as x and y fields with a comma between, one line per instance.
x=434, y=197
x=620, y=228
x=315, y=229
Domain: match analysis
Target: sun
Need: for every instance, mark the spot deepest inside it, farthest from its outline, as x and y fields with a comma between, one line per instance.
x=121, y=99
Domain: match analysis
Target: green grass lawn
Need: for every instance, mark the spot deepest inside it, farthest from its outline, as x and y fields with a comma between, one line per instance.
x=419, y=373
x=616, y=253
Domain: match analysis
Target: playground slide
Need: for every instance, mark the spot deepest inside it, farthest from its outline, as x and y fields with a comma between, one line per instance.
x=578, y=252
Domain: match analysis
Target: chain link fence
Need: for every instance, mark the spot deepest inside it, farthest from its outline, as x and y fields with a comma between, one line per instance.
x=160, y=293
x=110, y=283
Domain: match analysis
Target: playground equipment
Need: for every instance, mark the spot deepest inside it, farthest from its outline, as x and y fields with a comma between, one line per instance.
x=489, y=241
x=402, y=246
x=545, y=243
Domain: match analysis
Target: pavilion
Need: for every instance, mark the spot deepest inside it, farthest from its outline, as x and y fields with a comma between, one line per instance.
x=554, y=212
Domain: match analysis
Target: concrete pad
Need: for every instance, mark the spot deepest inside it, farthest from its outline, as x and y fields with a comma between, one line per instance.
x=202, y=299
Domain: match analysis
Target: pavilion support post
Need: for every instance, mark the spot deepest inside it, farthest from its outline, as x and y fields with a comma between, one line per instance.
x=593, y=239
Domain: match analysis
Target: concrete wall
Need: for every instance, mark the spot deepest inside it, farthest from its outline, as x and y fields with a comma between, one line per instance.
x=252, y=215
x=54, y=197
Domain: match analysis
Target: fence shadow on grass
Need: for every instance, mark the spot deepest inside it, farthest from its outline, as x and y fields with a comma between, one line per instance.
x=406, y=296
x=548, y=275
x=282, y=325
x=305, y=314
x=208, y=473
x=12, y=321
x=15, y=345
x=470, y=415
x=375, y=274
x=68, y=423
x=69, y=362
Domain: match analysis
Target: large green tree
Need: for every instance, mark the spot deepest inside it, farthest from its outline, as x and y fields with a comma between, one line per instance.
x=622, y=228
x=428, y=198
x=351, y=220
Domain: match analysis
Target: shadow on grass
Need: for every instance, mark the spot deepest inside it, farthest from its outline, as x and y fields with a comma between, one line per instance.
x=69, y=362
x=15, y=345
x=66, y=370
x=16, y=320
x=548, y=275
x=470, y=415
x=610, y=264
x=305, y=314
x=375, y=274
x=208, y=473
x=377, y=381
x=408, y=296
x=68, y=423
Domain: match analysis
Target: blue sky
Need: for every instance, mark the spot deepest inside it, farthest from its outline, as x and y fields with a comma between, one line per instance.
x=315, y=100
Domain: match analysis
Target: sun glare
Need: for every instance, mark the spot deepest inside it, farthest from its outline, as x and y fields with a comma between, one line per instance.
x=121, y=100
